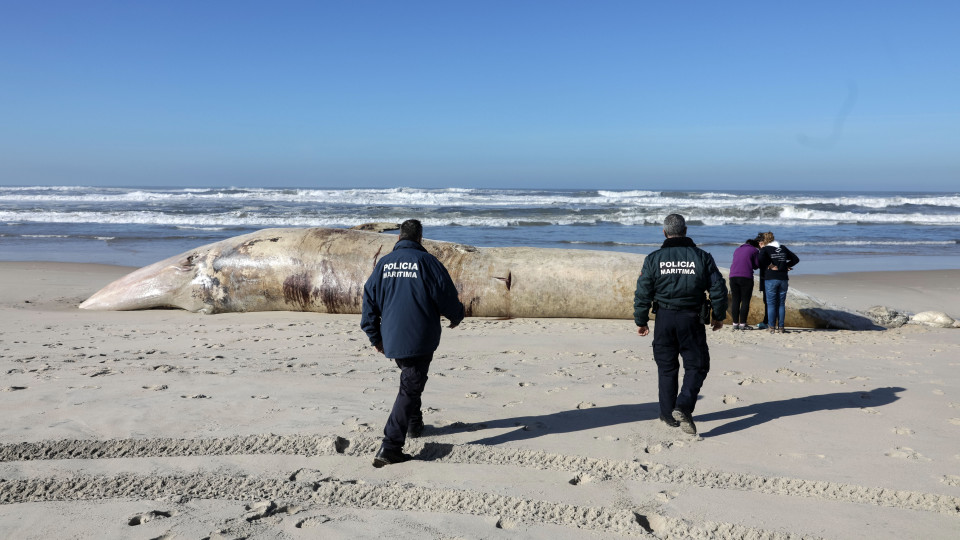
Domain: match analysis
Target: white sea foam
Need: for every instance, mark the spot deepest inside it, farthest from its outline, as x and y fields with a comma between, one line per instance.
x=878, y=243
x=460, y=197
x=253, y=217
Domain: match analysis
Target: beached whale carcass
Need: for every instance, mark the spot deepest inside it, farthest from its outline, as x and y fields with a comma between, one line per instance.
x=324, y=270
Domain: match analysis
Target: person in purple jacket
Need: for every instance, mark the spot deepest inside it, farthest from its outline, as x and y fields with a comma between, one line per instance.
x=741, y=282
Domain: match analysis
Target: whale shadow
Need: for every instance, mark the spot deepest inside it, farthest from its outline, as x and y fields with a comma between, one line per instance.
x=753, y=415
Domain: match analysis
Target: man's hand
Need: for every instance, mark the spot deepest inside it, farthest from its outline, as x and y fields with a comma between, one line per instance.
x=716, y=325
x=643, y=330
x=379, y=347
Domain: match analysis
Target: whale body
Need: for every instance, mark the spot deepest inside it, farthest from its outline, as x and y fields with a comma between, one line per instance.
x=324, y=270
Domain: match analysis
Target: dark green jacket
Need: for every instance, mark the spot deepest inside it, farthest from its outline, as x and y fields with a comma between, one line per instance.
x=676, y=276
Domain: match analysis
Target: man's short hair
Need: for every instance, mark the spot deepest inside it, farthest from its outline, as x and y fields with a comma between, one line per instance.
x=675, y=225
x=411, y=229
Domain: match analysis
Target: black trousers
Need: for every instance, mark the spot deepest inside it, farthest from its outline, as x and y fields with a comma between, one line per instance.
x=741, y=289
x=413, y=379
x=680, y=333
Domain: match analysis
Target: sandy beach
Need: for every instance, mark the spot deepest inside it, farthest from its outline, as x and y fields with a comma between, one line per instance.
x=169, y=424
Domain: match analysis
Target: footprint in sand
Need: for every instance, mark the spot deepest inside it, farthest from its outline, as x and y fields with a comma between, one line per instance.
x=586, y=405
x=954, y=421
x=951, y=480
x=902, y=452
x=666, y=496
x=13, y=388
x=657, y=448
x=473, y=395
x=730, y=400
x=140, y=519
x=506, y=524
x=797, y=376
x=607, y=385
x=260, y=510
x=581, y=478
x=156, y=387
x=902, y=430
x=313, y=521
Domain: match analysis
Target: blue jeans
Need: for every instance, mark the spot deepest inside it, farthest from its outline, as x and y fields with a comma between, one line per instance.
x=776, y=301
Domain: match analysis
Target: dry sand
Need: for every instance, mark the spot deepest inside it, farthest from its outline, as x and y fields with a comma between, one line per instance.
x=168, y=424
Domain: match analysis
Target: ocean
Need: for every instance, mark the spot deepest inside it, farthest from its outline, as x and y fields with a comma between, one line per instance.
x=830, y=231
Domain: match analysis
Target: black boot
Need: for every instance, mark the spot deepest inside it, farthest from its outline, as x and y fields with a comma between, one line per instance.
x=668, y=420
x=415, y=428
x=389, y=457
x=686, y=422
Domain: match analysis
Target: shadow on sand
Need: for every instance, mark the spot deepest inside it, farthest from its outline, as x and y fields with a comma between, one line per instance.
x=759, y=413
x=529, y=427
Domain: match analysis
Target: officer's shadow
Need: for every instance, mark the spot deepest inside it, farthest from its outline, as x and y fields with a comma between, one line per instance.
x=529, y=427
x=753, y=415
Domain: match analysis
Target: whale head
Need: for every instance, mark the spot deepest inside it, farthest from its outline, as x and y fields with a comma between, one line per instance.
x=165, y=284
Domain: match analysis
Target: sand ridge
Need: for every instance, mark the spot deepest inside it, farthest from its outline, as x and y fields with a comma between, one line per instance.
x=473, y=454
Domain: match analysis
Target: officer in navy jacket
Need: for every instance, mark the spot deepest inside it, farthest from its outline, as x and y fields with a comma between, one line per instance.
x=403, y=300
x=677, y=278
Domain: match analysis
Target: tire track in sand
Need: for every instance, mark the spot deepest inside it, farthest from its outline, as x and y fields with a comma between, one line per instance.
x=308, y=445
x=330, y=492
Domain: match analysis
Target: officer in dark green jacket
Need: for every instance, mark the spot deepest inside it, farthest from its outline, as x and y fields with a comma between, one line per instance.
x=674, y=281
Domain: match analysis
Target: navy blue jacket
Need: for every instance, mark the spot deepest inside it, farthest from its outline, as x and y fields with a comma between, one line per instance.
x=676, y=276
x=403, y=299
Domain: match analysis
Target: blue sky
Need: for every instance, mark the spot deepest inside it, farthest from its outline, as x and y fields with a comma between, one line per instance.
x=552, y=94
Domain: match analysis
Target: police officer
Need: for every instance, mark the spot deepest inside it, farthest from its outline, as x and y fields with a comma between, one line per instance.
x=402, y=302
x=673, y=281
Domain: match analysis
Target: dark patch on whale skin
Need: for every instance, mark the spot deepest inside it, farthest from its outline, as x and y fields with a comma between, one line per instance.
x=207, y=293
x=506, y=280
x=297, y=289
x=468, y=307
x=332, y=292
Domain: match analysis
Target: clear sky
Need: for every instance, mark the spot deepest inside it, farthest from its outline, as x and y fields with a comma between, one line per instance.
x=456, y=93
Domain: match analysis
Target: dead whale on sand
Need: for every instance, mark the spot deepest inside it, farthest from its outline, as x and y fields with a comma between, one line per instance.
x=324, y=270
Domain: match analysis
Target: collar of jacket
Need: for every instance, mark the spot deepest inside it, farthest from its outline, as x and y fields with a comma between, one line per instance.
x=774, y=244
x=408, y=244
x=678, y=241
